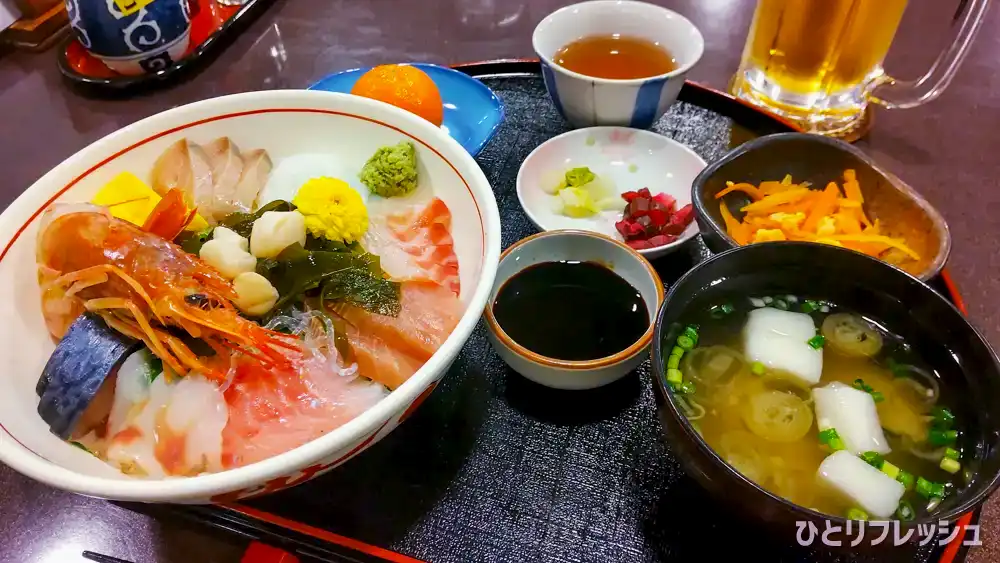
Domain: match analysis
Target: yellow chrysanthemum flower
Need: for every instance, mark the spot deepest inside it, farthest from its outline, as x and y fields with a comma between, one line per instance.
x=333, y=210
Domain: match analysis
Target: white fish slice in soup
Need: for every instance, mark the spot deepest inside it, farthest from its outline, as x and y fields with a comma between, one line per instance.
x=875, y=492
x=780, y=340
x=852, y=413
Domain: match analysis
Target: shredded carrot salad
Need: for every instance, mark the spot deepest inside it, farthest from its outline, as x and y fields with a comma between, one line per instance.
x=788, y=211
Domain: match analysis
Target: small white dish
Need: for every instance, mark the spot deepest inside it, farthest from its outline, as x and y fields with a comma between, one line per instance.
x=572, y=245
x=585, y=100
x=631, y=158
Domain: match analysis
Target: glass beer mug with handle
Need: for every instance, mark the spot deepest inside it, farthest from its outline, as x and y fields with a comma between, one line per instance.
x=818, y=63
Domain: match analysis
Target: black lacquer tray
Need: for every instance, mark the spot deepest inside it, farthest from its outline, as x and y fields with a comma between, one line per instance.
x=495, y=468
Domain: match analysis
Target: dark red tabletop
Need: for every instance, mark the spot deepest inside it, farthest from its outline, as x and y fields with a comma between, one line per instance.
x=947, y=150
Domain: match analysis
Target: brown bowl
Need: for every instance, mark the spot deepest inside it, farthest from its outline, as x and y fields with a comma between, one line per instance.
x=901, y=211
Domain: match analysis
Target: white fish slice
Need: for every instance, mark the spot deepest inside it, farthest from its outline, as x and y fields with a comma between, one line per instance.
x=185, y=166
x=227, y=168
x=257, y=168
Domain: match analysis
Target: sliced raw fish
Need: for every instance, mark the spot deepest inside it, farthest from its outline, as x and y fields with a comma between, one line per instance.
x=379, y=361
x=416, y=244
x=875, y=492
x=852, y=413
x=391, y=349
x=256, y=169
x=780, y=340
x=165, y=428
x=227, y=167
x=272, y=412
x=84, y=359
x=184, y=165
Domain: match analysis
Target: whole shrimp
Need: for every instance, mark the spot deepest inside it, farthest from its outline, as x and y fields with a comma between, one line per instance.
x=145, y=286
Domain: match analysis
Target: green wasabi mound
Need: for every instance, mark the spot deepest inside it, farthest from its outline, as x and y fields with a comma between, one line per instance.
x=391, y=171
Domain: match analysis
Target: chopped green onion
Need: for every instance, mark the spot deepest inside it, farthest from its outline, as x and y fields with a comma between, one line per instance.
x=896, y=369
x=907, y=480
x=950, y=465
x=873, y=459
x=674, y=376
x=808, y=306
x=684, y=342
x=757, y=368
x=817, y=341
x=943, y=418
x=890, y=469
x=687, y=388
x=857, y=514
x=938, y=437
x=831, y=439
x=924, y=488
x=860, y=385
x=673, y=362
x=691, y=332
x=719, y=311
x=952, y=453
x=939, y=490
x=677, y=351
x=905, y=511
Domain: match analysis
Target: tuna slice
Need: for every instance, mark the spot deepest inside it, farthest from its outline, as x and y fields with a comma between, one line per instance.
x=391, y=349
x=72, y=386
x=271, y=412
x=416, y=244
x=256, y=169
x=227, y=167
x=185, y=165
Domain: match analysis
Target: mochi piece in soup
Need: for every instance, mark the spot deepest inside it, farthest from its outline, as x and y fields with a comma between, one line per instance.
x=780, y=340
x=873, y=491
x=852, y=413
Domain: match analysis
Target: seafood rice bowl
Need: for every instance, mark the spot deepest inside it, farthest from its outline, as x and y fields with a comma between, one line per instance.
x=235, y=296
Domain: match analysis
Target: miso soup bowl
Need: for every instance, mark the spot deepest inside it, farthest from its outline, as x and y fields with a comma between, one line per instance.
x=923, y=318
x=584, y=246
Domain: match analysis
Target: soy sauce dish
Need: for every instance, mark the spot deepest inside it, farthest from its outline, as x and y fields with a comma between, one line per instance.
x=573, y=309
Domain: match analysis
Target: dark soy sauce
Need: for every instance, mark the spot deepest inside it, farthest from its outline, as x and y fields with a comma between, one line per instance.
x=571, y=310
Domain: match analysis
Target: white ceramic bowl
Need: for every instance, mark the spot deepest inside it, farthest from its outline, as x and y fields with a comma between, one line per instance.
x=631, y=158
x=555, y=246
x=284, y=123
x=586, y=100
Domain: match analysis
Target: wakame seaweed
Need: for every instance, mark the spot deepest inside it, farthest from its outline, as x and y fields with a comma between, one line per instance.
x=192, y=242
x=242, y=223
x=354, y=277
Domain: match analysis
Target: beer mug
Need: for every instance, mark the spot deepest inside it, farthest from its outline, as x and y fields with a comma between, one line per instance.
x=818, y=63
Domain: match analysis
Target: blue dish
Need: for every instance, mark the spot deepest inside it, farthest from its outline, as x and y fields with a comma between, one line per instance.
x=472, y=112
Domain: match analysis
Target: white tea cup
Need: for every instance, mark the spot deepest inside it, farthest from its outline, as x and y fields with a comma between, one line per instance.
x=586, y=101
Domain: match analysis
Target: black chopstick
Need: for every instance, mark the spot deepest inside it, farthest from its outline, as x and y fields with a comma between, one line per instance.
x=99, y=558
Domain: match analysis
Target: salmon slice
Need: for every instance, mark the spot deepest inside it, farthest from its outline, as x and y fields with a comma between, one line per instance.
x=391, y=349
x=416, y=244
x=379, y=361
